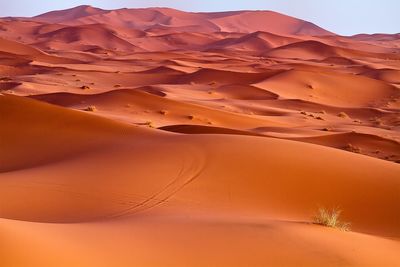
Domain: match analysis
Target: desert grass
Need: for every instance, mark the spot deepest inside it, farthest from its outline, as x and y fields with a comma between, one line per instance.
x=330, y=218
x=91, y=109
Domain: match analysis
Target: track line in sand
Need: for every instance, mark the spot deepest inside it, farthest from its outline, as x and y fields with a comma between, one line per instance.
x=191, y=167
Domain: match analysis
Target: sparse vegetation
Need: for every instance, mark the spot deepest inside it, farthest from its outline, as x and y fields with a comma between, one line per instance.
x=84, y=87
x=150, y=124
x=91, y=109
x=330, y=218
x=343, y=115
x=352, y=148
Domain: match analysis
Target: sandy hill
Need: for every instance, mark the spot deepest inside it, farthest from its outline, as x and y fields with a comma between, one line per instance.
x=256, y=41
x=203, y=188
x=85, y=35
x=311, y=49
x=145, y=19
x=61, y=16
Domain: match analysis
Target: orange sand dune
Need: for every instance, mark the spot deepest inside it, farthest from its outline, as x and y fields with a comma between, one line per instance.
x=359, y=143
x=318, y=50
x=158, y=137
x=84, y=36
x=130, y=105
x=18, y=49
x=330, y=88
x=257, y=41
x=193, y=187
x=206, y=22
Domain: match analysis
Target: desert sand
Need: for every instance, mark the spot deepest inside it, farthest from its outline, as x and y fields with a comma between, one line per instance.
x=157, y=137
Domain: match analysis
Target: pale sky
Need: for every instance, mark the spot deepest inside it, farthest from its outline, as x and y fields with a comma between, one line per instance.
x=346, y=17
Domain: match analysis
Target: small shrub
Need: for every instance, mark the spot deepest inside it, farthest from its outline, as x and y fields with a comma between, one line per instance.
x=352, y=148
x=163, y=112
x=342, y=115
x=330, y=218
x=90, y=108
x=117, y=86
x=150, y=124
x=84, y=87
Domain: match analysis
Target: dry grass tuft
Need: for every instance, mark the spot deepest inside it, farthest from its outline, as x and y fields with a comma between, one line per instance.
x=91, y=108
x=150, y=124
x=343, y=115
x=330, y=218
x=351, y=148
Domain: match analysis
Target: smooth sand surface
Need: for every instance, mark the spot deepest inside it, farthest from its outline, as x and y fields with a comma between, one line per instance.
x=157, y=137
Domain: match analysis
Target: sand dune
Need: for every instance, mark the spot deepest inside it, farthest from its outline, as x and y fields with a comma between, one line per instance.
x=70, y=14
x=318, y=50
x=145, y=19
x=30, y=53
x=196, y=197
x=158, y=137
x=330, y=88
x=87, y=35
